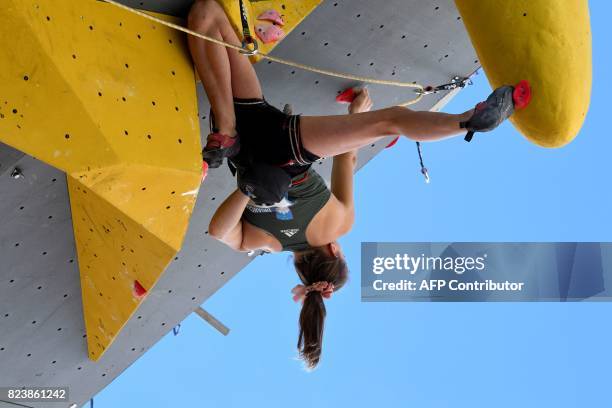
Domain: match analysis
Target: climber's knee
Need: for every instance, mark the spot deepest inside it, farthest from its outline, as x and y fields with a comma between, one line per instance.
x=205, y=14
x=391, y=119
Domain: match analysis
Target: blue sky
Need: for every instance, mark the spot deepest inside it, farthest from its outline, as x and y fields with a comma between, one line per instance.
x=498, y=188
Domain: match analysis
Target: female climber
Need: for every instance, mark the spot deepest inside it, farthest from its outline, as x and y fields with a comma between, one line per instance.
x=273, y=151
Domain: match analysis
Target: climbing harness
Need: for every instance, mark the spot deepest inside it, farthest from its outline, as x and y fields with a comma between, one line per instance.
x=248, y=39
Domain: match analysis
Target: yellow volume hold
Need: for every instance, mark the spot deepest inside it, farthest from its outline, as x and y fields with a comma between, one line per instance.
x=547, y=43
x=109, y=98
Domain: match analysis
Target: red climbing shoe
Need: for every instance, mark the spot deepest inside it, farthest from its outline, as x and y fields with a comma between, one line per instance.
x=219, y=146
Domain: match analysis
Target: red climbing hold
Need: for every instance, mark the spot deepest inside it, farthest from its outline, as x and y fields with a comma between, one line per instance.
x=481, y=106
x=392, y=143
x=139, y=290
x=269, y=33
x=522, y=94
x=204, y=170
x=272, y=16
x=347, y=96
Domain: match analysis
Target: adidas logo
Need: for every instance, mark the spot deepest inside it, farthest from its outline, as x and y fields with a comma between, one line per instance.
x=290, y=232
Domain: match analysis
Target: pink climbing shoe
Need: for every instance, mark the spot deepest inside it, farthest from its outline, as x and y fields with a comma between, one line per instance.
x=272, y=16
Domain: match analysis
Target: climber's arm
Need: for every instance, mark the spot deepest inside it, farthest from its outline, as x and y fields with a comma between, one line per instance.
x=226, y=224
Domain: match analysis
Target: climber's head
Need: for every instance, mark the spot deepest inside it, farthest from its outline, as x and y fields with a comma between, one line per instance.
x=322, y=270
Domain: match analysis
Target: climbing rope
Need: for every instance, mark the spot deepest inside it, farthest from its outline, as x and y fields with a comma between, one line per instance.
x=419, y=89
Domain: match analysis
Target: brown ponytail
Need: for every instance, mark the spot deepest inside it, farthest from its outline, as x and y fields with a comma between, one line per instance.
x=316, y=265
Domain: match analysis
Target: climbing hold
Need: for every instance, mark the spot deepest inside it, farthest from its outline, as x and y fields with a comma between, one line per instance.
x=292, y=16
x=269, y=33
x=547, y=43
x=392, y=143
x=138, y=290
x=347, y=96
x=272, y=16
x=204, y=170
x=521, y=94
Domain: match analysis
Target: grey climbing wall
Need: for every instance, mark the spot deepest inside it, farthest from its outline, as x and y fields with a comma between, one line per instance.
x=41, y=324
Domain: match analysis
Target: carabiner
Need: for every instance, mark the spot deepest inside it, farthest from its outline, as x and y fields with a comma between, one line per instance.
x=248, y=40
x=456, y=82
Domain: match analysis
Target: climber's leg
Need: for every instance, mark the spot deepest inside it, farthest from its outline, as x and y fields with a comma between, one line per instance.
x=224, y=72
x=327, y=136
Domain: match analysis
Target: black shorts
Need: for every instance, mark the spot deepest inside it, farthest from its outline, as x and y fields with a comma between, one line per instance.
x=270, y=136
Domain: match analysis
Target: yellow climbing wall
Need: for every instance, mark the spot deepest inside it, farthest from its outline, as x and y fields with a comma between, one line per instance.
x=292, y=12
x=109, y=98
x=546, y=42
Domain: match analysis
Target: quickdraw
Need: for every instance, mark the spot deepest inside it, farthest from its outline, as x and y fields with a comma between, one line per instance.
x=249, y=44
